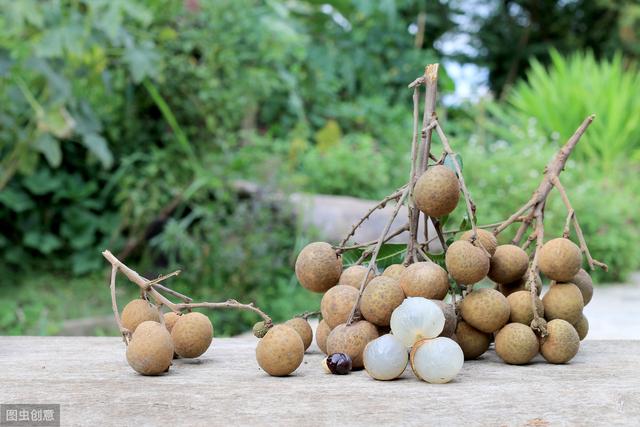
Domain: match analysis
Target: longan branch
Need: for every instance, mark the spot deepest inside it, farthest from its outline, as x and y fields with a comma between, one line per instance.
x=413, y=212
x=533, y=272
x=114, y=305
x=230, y=303
x=308, y=314
x=390, y=236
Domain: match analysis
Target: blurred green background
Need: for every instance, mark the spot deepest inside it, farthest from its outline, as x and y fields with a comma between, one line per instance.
x=123, y=125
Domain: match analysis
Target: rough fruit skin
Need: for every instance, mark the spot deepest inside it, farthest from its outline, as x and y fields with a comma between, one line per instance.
x=352, y=340
x=466, y=263
x=281, y=351
x=192, y=335
x=302, y=327
x=437, y=191
x=519, y=285
x=170, y=319
x=394, y=271
x=485, y=309
x=486, y=239
x=508, y=264
x=521, y=310
x=563, y=301
x=516, y=344
x=354, y=275
x=474, y=343
x=560, y=259
x=584, y=282
x=136, y=312
x=562, y=343
x=582, y=327
x=425, y=279
x=337, y=303
x=322, y=332
x=450, y=318
x=381, y=296
x=318, y=268
x=151, y=349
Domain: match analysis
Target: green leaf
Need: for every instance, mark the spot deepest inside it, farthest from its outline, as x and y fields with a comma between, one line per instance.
x=17, y=201
x=43, y=242
x=329, y=136
x=42, y=182
x=143, y=61
x=448, y=162
x=49, y=147
x=390, y=253
x=97, y=145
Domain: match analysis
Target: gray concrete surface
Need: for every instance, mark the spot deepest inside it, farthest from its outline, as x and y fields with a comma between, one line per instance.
x=89, y=377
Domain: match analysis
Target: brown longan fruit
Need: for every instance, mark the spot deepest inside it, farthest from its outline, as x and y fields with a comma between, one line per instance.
x=584, y=282
x=521, y=310
x=138, y=311
x=318, y=267
x=450, y=318
x=437, y=191
x=472, y=341
x=508, y=264
x=170, y=319
x=351, y=340
x=394, y=271
x=425, y=279
x=150, y=350
x=560, y=259
x=354, y=275
x=192, y=335
x=484, y=237
x=485, y=309
x=322, y=332
x=280, y=351
x=381, y=296
x=302, y=327
x=520, y=285
x=517, y=344
x=337, y=303
x=582, y=327
x=562, y=342
x=563, y=301
x=466, y=263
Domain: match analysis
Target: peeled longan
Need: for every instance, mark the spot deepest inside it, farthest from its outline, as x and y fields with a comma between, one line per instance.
x=351, y=340
x=337, y=303
x=563, y=301
x=560, y=259
x=450, y=318
x=516, y=344
x=354, y=275
x=437, y=191
x=521, y=309
x=425, y=279
x=508, y=264
x=485, y=309
x=394, y=271
x=466, y=263
x=192, y=334
x=473, y=342
x=170, y=319
x=484, y=237
x=582, y=327
x=280, y=351
x=562, y=343
x=381, y=296
x=584, y=282
x=151, y=349
x=318, y=268
x=136, y=312
x=322, y=332
x=302, y=327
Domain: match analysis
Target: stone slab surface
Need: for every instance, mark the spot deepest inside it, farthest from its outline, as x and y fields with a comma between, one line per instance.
x=90, y=378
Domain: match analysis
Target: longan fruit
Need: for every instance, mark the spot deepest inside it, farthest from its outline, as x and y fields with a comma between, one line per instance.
x=474, y=343
x=450, y=318
x=337, y=303
x=322, y=332
x=508, y=264
x=280, y=351
x=170, y=319
x=192, y=335
x=563, y=301
x=562, y=342
x=318, y=268
x=351, y=340
x=584, y=282
x=354, y=275
x=517, y=344
x=560, y=259
x=302, y=327
x=582, y=327
x=394, y=271
x=381, y=296
x=150, y=350
x=425, y=279
x=466, y=263
x=485, y=309
x=484, y=237
x=521, y=310
x=520, y=285
x=437, y=191
x=136, y=312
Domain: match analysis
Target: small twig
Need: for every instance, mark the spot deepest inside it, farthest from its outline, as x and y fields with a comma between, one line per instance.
x=230, y=303
x=390, y=236
x=533, y=272
x=423, y=254
x=126, y=334
x=308, y=314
